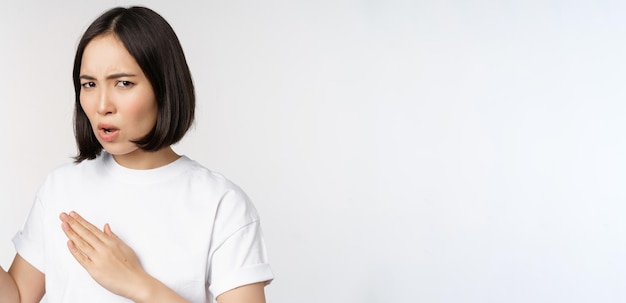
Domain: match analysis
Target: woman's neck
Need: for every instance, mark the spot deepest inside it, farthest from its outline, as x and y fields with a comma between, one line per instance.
x=140, y=159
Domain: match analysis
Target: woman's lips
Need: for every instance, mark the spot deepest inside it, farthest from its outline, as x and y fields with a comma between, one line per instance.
x=107, y=133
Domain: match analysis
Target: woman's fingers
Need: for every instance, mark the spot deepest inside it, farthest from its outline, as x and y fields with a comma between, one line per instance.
x=108, y=260
x=78, y=254
x=108, y=232
x=82, y=227
x=83, y=235
x=74, y=218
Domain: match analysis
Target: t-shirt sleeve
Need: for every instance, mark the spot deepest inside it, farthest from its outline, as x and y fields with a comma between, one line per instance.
x=238, y=254
x=29, y=241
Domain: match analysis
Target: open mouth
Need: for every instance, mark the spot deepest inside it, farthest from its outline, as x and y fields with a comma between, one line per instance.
x=108, y=133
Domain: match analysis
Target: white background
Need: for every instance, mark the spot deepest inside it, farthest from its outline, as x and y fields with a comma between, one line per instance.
x=397, y=151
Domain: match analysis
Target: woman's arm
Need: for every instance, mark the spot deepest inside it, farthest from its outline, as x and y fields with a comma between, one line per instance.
x=251, y=293
x=153, y=290
x=8, y=289
x=112, y=263
x=23, y=283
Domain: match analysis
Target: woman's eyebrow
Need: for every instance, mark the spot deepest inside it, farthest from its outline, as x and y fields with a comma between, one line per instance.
x=87, y=77
x=112, y=76
x=120, y=75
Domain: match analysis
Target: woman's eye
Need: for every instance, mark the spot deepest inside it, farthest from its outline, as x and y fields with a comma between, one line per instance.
x=124, y=83
x=88, y=85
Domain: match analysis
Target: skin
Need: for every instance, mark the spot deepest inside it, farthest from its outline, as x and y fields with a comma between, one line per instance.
x=22, y=279
x=115, y=93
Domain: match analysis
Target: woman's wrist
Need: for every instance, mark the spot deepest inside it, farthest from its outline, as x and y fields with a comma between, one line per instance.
x=144, y=289
x=154, y=291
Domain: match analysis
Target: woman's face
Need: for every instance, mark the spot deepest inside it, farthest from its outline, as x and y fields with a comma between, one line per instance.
x=116, y=96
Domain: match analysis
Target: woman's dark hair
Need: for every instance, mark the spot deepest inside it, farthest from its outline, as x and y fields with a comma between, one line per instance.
x=154, y=45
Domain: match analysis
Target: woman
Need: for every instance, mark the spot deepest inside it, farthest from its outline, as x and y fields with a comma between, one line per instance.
x=182, y=233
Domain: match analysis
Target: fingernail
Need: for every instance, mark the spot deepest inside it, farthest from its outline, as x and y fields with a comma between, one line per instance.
x=73, y=214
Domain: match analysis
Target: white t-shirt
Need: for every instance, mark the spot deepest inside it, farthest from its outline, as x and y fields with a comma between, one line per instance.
x=191, y=228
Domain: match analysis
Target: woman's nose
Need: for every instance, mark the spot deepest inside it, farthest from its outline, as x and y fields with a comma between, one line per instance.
x=105, y=106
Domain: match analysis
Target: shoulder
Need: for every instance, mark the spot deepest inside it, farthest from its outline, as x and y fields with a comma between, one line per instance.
x=235, y=208
x=71, y=169
x=63, y=171
x=197, y=172
x=69, y=174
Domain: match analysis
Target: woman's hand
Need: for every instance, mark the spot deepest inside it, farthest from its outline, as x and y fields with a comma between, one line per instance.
x=108, y=260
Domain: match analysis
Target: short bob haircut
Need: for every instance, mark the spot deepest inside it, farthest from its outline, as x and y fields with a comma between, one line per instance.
x=155, y=47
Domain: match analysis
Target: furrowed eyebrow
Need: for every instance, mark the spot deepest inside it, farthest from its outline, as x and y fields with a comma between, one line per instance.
x=86, y=77
x=120, y=75
x=112, y=76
